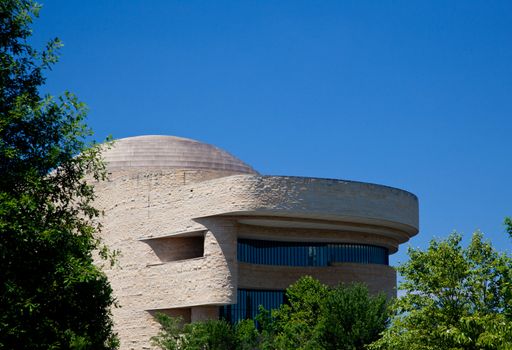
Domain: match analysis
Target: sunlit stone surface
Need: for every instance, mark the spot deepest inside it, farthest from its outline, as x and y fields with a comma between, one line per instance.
x=175, y=208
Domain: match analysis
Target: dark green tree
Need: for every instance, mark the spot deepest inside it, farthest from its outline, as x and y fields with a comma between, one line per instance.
x=295, y=324
x=247, y=335
x=455, y=298
x=319, y=317
x=52, y=296
x=352, y=318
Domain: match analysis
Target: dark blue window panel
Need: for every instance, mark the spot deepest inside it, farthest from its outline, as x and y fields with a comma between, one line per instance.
x=249, y=301
x=309, y=254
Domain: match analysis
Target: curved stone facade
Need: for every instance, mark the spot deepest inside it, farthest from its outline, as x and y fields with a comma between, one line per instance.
x=176, y=222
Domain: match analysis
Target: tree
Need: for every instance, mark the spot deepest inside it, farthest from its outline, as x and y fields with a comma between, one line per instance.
x=455, y=298
x=294, y=325
x=352, y=318
x=170, y=335
x=314, y=317
x=205, y=335
x=508, y=226
x=211, y=335
x=319, y=317
x=52, y=296
x=247, y=335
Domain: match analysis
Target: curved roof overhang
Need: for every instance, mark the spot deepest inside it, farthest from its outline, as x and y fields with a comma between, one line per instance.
x=301, y=202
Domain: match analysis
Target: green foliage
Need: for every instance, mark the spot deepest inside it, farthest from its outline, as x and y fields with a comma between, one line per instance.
x=210, y=335
x=456, y=298
x=51, y=294
x=315, y=317
x=352, y=318
x=207, y=335
x=170, y=335
x=508, y=226
x=318, y=317
x=295, y=322
x=247, y=335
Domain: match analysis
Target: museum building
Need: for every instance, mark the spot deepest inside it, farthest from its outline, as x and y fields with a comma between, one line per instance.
x=203, y=235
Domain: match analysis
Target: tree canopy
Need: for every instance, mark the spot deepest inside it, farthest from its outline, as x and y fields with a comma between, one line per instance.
x=314, y=317
x=455, y=297
x=52, y=296
x=318, y=317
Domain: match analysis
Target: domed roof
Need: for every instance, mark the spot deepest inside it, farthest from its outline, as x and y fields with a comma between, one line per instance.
x=155, y=151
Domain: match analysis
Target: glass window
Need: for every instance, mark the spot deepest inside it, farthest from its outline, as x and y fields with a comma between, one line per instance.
x=249, y=301
x=309, y=254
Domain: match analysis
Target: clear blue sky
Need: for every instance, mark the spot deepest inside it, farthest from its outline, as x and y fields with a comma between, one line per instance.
x=410, y=94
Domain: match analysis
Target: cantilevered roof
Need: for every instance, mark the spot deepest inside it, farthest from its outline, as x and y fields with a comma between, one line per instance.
x=157, y=151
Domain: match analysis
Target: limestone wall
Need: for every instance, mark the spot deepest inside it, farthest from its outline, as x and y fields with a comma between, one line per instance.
x=378, y=278
x=141, y=204
x=143, y=283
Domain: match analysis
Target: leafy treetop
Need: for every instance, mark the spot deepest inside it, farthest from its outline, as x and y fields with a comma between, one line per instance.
x=315, y=317
x=455, y=298
x=52, y=296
